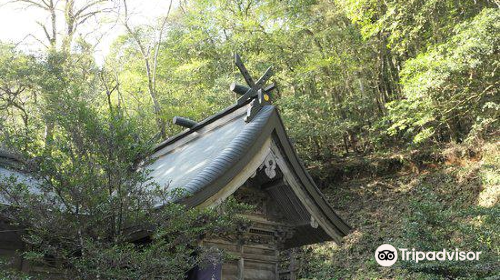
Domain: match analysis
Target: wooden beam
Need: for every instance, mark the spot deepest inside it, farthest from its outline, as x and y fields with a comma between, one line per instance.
x=239, y=89
x=185, y=122
x=273, y=184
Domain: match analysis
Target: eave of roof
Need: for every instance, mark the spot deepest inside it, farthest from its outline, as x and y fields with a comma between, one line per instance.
x=340, y=226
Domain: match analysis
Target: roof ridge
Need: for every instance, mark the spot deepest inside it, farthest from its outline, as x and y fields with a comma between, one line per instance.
x=201, y=124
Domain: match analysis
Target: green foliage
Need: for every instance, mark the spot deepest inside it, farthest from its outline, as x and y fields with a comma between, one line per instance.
x=9, y=273
x=433, y=225
x=94, y=197
x=19, y=85
x=411, y=27
x=454, y=86
x=364, y=77
x=439, y=218
x=452, y=206
x=355, y=76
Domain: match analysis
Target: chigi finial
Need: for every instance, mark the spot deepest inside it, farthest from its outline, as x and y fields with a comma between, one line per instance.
x=254, y=89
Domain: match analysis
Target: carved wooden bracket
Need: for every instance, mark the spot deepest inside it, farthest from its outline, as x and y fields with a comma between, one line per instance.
x=269, y=165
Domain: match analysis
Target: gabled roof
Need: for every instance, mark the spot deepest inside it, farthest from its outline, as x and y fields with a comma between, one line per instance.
x=211, y=160
x=12, y=169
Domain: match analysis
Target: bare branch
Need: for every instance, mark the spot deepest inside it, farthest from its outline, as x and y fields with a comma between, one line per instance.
x=158, y=44
x=88, y=6
x=45, y=31
x=31, y=3
x=28, y=36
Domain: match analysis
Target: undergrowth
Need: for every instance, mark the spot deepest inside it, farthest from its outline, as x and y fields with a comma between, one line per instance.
x=452, y=203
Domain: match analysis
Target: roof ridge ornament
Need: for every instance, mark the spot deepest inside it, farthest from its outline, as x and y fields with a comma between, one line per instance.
x=254, y=89
x=185, y=122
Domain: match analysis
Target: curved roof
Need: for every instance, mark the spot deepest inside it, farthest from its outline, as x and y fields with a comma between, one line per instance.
x=11, y=169
x=177, y=167
x=205, y=159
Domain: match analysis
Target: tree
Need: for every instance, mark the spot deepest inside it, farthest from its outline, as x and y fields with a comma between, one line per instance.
x=19, y=93
x=93, y=198
x=66, y=18
x=453, y=88
x=149, y=52
x=60, y=34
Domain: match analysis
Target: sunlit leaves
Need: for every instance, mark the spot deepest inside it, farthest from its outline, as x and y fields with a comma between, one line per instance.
x=452, y=80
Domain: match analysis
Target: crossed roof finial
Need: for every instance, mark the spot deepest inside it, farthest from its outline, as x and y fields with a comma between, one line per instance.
x=254, y=89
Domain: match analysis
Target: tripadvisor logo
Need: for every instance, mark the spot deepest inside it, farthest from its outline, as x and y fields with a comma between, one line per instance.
x=387, y=255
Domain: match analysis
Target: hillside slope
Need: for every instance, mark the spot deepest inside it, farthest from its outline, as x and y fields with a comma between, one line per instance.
x=430, y=202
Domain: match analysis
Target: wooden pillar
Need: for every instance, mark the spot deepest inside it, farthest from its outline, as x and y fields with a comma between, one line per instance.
x=241, y=263
x=293, y=265
x=277, y=267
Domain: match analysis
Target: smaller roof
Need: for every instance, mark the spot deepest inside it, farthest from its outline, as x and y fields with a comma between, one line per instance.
x=12, y=170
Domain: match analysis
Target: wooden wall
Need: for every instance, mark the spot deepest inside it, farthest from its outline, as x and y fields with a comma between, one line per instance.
x=10, y=246
x=248, y=261
x=255, y=254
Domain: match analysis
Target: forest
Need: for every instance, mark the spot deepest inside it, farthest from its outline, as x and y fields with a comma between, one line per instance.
x=393, y=105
